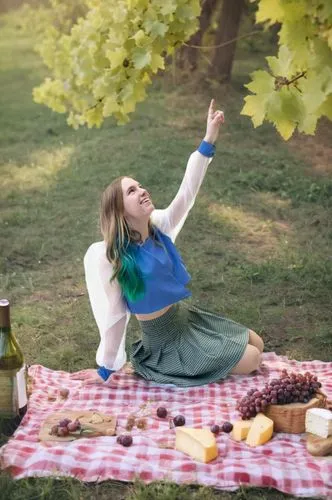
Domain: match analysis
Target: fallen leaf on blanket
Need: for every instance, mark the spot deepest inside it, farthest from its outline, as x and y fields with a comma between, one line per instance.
x=131, y=420
x=64, y=392
x=51, y=395
x=166, y=445
x=142, y=424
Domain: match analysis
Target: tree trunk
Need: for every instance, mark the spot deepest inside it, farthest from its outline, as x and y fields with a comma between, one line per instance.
x=229, y=22
x=189, y=54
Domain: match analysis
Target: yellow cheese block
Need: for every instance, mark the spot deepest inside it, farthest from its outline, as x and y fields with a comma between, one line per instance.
x=200, y=444
x=241, y=429
x=260, y=431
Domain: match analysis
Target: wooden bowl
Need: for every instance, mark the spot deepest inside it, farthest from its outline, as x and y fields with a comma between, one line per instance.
x=291, y=417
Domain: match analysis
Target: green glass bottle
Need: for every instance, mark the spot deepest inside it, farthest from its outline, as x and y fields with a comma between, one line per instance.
x=13, y=399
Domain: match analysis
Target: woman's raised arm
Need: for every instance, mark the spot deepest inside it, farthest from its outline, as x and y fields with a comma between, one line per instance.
x=171, y=219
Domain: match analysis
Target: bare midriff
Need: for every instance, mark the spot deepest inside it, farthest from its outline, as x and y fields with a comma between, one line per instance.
x=155, y=314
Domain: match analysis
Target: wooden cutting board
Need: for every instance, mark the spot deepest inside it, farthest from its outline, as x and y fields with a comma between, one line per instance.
x=93, y=424
x=318, y=446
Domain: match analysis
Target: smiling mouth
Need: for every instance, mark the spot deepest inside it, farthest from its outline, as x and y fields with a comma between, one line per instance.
x=145, y=201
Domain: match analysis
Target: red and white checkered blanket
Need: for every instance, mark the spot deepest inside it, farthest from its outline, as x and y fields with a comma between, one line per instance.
x=282, y=463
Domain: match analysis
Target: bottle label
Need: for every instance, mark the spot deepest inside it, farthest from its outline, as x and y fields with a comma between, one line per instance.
x=8, y=393
x=21, y=379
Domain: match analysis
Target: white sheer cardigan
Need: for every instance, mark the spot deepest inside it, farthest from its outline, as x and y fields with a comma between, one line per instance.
x=109, y=309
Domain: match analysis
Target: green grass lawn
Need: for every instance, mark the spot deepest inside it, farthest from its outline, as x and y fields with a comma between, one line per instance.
x=257, y=243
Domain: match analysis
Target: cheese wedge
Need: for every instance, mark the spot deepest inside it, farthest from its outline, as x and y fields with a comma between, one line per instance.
x=241, y=429
x=200, y=444
x=260, y=431
x=318, y=421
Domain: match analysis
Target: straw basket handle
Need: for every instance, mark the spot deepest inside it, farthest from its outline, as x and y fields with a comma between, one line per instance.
x=326, y=403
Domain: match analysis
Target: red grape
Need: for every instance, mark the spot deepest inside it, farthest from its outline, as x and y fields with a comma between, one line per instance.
x=127, y=440
x=227, y=427
x=54, y=430
x=161, y=412
x=64, y=422
x=73, y=426
x=179, y=420
x=63, y=431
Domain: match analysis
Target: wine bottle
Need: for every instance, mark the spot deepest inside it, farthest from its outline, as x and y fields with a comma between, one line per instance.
x=13, y=393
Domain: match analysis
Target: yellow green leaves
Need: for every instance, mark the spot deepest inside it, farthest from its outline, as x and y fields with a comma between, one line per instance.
x=297, y=88
x=269, y=10
x=102, y=60
x=157, y=62
x=141, y=58
x=116, y=56
x=281, y=65
x=255, y=105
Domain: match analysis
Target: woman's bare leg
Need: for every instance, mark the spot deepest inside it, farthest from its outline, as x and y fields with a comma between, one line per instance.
x=249, y=362
x=256, y=340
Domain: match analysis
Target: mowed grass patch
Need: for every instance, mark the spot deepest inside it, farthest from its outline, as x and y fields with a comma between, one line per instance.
x=69, y=489
x=257, y=243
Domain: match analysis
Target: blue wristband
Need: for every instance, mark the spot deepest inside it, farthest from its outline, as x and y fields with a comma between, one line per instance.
x=207, y=149
x=104, y=372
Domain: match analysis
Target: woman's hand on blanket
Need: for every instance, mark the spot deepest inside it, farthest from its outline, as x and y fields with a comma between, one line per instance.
x=88, y=377
x=214, y=119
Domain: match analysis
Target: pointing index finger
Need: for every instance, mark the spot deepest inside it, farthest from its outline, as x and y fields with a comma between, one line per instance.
x=211, y=107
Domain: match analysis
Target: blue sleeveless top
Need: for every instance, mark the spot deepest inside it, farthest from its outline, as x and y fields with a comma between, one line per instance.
x=164, y=274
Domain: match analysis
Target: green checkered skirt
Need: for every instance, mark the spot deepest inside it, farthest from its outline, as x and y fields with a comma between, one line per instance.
x=188, y=346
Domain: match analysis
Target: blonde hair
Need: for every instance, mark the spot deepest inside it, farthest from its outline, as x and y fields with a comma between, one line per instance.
x=119, y=239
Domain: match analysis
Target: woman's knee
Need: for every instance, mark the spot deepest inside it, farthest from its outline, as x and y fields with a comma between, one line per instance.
x=249, y=362
x=256, y=340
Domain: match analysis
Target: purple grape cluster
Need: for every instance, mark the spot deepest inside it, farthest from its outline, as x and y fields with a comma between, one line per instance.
x=289, y=388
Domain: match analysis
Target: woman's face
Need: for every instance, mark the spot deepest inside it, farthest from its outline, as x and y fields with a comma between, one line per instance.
x=136, y=200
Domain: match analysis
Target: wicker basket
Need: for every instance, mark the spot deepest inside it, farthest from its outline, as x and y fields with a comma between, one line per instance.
x=291, y=417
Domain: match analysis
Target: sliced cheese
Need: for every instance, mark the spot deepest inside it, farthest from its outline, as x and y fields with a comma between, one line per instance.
x=318, y=421
x=241, y=429
x=260, y=431
x=200, y=444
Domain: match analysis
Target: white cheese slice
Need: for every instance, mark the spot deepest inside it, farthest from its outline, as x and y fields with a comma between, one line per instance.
x=318, y=421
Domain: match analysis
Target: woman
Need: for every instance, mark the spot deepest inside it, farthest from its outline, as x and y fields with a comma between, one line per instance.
x=137, y=269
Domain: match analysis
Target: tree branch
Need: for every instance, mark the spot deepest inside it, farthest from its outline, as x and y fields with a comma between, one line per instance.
x=224, y=43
